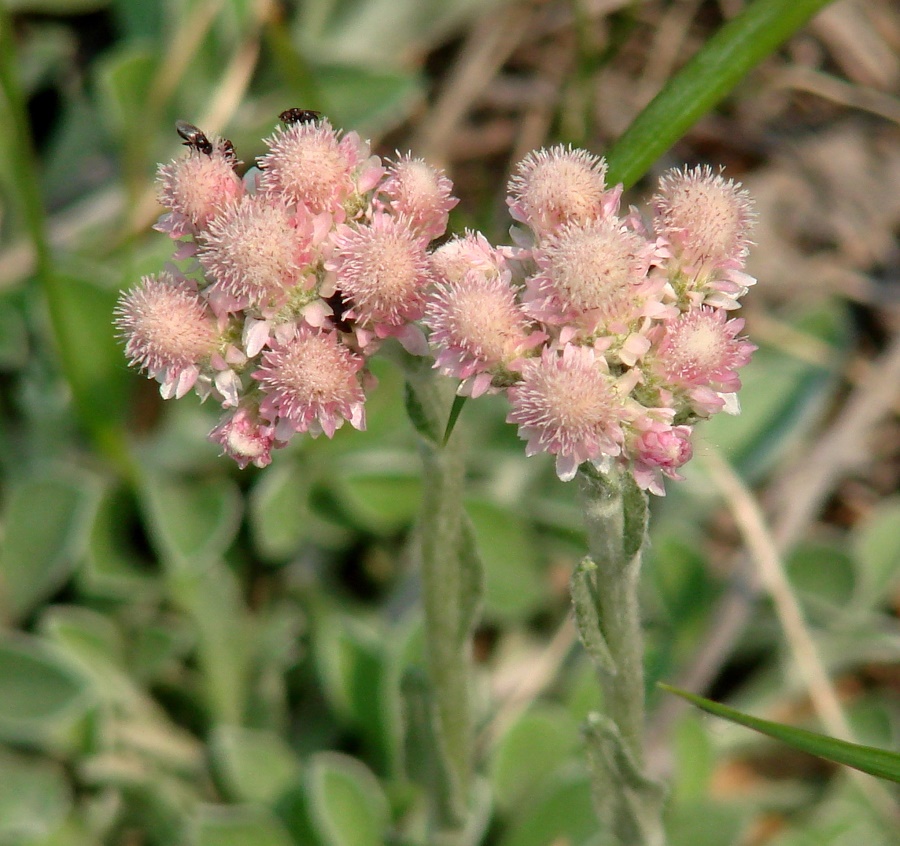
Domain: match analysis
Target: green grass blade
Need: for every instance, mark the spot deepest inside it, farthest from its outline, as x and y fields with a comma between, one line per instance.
x=705, y=80
x=868, y=759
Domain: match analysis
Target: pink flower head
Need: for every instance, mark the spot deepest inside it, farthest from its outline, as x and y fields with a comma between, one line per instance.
x=168, y=330
x=421, y=193
x=477, y=327
x=310, y=163
x=704, y=221
x=559, y=185
x=195, y=188
x=452, y=261
x=244, y=437
x=310, y=384
x=567, y=404
x=659, y=450
x=382, y=272
x=701, y=350
x=594, y=275
x=256, y=252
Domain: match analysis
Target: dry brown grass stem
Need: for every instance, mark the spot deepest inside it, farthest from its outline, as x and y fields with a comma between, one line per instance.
x=223, y=104
x=486, y=49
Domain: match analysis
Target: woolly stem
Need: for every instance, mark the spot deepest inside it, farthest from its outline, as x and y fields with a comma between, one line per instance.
x=605, y=595
x=451, y=589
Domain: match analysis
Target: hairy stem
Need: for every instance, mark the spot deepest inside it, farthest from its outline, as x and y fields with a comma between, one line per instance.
x=451, y=583
x=605, y=594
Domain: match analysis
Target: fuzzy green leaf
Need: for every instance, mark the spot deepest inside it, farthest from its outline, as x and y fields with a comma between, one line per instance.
x=419, y=418
x=47, y=523
x=34, y=797
x=256, y=765
x=587, y=618
x=238, y=825
x=40, y=692
x=346, y=801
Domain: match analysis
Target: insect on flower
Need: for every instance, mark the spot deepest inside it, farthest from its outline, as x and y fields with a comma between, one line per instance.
x=193, y=137
x=339, y=306
x=291, y=116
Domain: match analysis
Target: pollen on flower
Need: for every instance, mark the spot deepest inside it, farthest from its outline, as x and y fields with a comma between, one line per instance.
x=195, y=188
x=167, y=328
x=702, y=348
x=382, y=271
x=255, y=253
x=552, y=187
x=706, y=217
x=568, y=405
x=309, y=163
x=310, y=383
x=591, y=267
x=421, y=193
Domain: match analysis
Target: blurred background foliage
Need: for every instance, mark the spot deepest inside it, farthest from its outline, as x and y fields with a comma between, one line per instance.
x=191, y=654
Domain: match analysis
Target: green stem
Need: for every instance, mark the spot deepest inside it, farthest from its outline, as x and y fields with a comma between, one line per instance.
x=451, y=582
x=106, y=434
x=616, y=577
x=23, y=159
x=704, y=81
x=605, y=594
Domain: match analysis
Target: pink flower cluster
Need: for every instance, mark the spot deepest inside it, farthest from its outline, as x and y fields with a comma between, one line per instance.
x=610, y=335
x=287, y=279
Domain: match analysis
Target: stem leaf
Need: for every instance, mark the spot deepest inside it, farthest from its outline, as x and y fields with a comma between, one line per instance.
x=455, y=409
x=423, y=760
x=624, y=797
x=422, y=422
x=587, y=618
x=636, y=513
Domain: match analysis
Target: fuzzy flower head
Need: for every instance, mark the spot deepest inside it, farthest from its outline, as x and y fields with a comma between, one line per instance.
x=478, y=329
x=309, y=163
x=244, y=437
x=557, y=186
x=659, y=450
x=567, y=404
x=310, y=383
x=592, y=275
x=196, y=187
x=704, y=222
x=700, y=353
x=420, y=193
x=382, y=272
x=255, y=253
x=168, y=330
x=452, y=261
